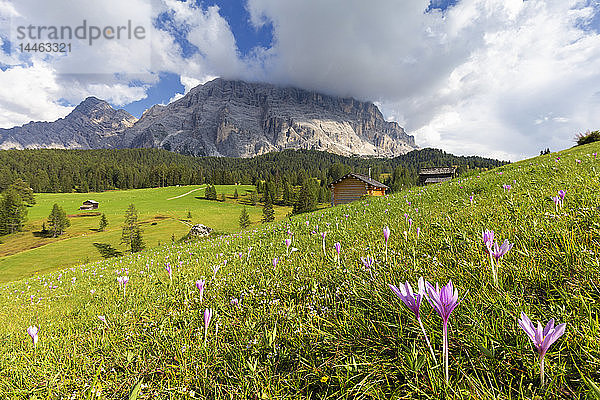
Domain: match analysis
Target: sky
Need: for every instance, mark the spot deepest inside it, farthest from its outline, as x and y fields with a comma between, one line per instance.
x=497, y=78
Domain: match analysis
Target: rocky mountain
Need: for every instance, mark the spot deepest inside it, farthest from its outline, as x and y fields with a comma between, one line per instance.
x=93, y=124
x=240, y=119
x=224, y=118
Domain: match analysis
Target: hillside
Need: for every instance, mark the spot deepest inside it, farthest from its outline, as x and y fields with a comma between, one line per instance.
x=314, y=326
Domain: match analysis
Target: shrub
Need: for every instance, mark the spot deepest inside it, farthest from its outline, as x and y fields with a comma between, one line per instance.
x=588, y=137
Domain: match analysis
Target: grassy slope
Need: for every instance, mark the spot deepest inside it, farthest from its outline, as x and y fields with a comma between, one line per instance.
x=309, y=327
x=24, y=254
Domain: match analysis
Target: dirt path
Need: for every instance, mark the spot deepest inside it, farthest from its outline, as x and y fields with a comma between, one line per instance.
x=185, y=194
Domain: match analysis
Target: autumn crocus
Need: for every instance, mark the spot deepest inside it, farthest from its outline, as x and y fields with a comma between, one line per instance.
x=200, y=285
x=386, y=236
x=541, y=337
x=443, y=301
x=33, y=332
x=497, y=252
x=123, y=281
x=323, y=236
x=103, y=319
x=169, y=271
x=207, y=317
x=275, y=261
x=413, y=302
x=561, y=195
x=338, y=249
x=288, y=243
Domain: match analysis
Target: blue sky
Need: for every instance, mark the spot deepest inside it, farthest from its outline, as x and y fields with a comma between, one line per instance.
x=467, y=76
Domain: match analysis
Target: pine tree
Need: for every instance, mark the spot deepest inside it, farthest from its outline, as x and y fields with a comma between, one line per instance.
x=12, y=212
x=132, y=233
x=103, y=223
x=307, y=198
x=58, y=221
x=288, y=194
x=244, y=218
x=253, y=198
x=189, y=214
x=26, y=193
x=235, y=194
x=268, y=212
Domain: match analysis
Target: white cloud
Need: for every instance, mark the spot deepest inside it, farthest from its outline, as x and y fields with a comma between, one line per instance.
x=473, y=79
x=491, y=77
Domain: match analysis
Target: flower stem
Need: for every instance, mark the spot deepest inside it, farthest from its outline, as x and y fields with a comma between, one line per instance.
x=542, y=371
x=427, y=340
x=386, y=251
x=446, y=349
x=494, y=272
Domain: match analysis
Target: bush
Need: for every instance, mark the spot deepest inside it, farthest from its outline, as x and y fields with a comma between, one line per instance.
x=588, y=137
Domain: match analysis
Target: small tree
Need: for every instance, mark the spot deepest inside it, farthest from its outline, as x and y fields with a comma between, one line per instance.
x=253, y=198
x=268, y=212
x=132, y=233
x=189, y=215
x=58, y=221
x=244, y=218
x=103, y=222
x=12, y=212
x=235, y=194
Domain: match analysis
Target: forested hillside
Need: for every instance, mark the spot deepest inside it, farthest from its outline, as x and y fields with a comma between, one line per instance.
x=98, y=170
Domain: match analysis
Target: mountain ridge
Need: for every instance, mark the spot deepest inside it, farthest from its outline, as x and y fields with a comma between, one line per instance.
x=226, y=118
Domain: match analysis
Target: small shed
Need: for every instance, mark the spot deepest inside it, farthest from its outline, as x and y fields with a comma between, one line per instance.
x=89, y=205
x=428, y=176
x=353, y=186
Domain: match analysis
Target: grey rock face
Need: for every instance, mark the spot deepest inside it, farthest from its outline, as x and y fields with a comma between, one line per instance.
x=93, y=124
x=199, y=231
x=240, y=119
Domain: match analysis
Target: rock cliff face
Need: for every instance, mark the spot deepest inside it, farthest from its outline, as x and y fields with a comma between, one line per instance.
x=240, y=119
x=93, y=124
x=224, y=118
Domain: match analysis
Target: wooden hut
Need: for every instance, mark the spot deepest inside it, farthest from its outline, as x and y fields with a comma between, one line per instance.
x=436, y=175
x=89, y=205
x=353, y=186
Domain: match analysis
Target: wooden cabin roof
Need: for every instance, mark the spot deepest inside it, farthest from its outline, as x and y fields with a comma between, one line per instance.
x=90, y=202
x=438, y=171
x=360, y=177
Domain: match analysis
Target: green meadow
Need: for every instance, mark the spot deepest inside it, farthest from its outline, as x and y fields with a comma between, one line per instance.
x=162, y=211
x=301, y=322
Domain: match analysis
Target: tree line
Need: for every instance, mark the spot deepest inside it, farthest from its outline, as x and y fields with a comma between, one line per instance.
x=65, y=171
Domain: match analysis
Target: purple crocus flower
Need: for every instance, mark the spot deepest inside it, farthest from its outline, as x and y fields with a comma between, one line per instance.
x=123, y=281
x=169, y=271
x=200, y=286
x=562, y=194
x=541, y=337
x=33, y=332
x=488, y=239
x=471, y=199
x=338, y=248
x=386, y=236
x=418, y=232
x=208, y=313
x=443, y=301
x=275, y=261
x=367, y=262
x=103, y=319
x=499, y=251
x=413, y=302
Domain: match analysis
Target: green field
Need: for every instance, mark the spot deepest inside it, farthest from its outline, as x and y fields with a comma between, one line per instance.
x=314, y=326
x=27, y=253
